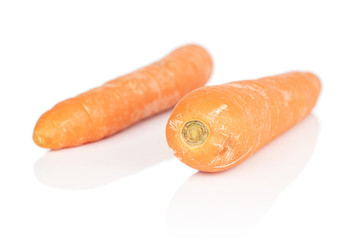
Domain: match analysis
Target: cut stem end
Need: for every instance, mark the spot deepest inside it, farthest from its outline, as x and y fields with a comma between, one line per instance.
x=195, y=132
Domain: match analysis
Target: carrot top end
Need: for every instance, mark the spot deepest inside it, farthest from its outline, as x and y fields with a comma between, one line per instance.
x=195, y=133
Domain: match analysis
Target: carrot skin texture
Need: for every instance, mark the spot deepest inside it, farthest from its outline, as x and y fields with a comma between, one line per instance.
x=119, y=103
x=241, y=118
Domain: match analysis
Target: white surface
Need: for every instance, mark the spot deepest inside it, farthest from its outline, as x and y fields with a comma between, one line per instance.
x=304, y=185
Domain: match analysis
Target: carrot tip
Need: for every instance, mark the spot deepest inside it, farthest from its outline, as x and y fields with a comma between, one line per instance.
x=195, y=132
x=40, y=141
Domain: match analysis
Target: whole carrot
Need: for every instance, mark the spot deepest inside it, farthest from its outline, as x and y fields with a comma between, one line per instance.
x=117, y=104
x=217, y=127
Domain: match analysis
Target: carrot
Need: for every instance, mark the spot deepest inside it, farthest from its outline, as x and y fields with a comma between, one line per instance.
x=215, y=128
x=117, y=104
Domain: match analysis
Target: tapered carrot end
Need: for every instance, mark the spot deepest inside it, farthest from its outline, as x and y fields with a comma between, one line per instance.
x=65, y=125
x=41, y=139
x=48, y=131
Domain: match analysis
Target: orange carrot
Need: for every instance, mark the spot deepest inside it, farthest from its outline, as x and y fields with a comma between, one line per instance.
x=217, y=127
x=117, y=104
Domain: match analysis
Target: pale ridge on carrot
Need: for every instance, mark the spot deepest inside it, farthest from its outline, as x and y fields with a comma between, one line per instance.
x=215, y=128
x=117, y=104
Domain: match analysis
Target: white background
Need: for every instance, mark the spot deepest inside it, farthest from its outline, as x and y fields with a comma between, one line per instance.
x=304, y=185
